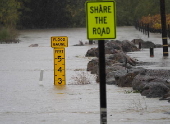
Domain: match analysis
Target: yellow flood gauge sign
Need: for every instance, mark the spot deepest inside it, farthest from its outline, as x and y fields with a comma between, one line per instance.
x=59, y=44
x=59, y=66
x=101, y=20
x=60, y=41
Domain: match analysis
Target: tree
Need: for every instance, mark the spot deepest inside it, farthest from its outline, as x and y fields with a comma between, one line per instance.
x=45, y=14
x=76, y=10
x=145, y=8
x=71, y=13
x=9, y=14
x=125, y=11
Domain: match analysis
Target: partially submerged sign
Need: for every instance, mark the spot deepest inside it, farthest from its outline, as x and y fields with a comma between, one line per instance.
x=60, y=41
x=101, y=22
x=59, y=66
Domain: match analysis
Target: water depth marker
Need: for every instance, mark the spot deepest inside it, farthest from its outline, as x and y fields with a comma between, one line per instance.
x=59, y=43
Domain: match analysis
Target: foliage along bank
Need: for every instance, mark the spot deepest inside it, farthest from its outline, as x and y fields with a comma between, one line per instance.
x=69, y=13
x=9, y=16
x=154, y=21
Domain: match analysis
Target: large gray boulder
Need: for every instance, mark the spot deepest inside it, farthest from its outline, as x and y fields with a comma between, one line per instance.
x=152, y=83
x=148, y=44
x=92, y=66
x=111, y=71
x=128, y=46
x=154, y=89
x=93, y=52
x=33, y=45
x=124, y=78
x=125, y=45
x=121, y=57
x=137, y=41
x=114, y=44
x=113, y=47
x=111, y=59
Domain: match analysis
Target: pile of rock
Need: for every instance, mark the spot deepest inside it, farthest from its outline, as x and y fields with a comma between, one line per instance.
x=146, y=44
x=33, y=45
x=121, y=70
x=112, y=47
x=116, y=59
x=150, y=83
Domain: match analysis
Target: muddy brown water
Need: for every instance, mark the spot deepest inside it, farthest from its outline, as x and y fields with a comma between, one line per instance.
x=24, y=101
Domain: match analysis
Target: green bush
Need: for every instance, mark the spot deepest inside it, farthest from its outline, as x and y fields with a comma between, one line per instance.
x=8, y=35
x=4, y=34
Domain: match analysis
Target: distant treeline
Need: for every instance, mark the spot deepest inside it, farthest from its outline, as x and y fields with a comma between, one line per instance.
x=69, y=13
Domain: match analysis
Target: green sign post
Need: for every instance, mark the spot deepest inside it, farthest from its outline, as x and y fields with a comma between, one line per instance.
x=101, y=25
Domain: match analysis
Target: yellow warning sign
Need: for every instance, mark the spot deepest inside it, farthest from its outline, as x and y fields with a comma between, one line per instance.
x=59, y=66
x=60, y=41
x=101, y=20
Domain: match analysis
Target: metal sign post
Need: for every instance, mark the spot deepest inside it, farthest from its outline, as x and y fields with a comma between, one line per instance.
x=102, y=77
x=164, y=30
x=59, y=44
x=101, y=25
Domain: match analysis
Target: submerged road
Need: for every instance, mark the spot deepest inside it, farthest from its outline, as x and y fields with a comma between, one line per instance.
x=24, y=101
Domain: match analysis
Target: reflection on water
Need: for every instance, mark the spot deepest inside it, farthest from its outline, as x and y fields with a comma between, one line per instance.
x=60, y=87
x=165, y=62
x=76, y=34
x=156, y=62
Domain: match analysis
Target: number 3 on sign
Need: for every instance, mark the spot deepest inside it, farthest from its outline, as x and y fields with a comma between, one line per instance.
x=60, y=80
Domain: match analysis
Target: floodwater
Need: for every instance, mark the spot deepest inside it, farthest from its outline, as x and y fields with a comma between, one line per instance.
x=24, y=101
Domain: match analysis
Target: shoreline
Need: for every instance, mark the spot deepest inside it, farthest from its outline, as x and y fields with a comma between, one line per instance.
x=122, y=74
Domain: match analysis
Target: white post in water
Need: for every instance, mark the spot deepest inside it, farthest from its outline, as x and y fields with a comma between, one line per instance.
x=41, y=77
